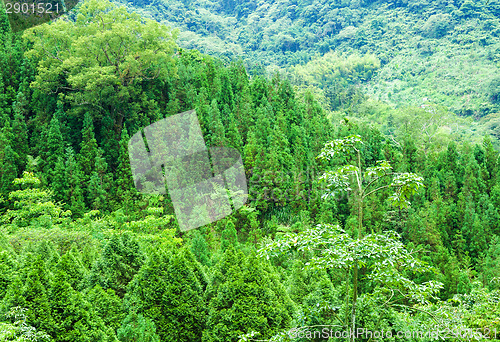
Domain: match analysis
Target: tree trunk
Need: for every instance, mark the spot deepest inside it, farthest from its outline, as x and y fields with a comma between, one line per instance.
x=354, y=299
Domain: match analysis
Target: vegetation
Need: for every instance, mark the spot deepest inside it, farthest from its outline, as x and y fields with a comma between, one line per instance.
x=361, y=214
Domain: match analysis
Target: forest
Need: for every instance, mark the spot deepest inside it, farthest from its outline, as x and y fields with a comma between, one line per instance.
x=366, y=219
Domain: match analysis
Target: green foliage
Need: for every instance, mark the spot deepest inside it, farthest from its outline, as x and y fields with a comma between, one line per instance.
x=242, y=298
x=102, y=55
x=120, y=260
x=168, y=291
x=32, y=205
x=136, y=327
x=112, y=264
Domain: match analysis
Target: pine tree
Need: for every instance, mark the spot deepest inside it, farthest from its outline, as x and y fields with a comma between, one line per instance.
x=54, y=148
x=167, y=291
x=242, y=298
x=74, y=193
x=124, y=182
x=99, y=184
x=88, y=148
x=117, y=265
x=136, y=327
x=229, y=236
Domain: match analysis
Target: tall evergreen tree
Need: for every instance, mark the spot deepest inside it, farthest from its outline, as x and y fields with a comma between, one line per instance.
x=74, y=193
x=88, y=148
x=167, y=290
x=242, y=299
x=124, y=182
x=54, y=148
x=117, y=265
x=99, y=184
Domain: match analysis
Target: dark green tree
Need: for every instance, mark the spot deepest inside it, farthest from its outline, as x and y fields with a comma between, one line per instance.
x=168, y=291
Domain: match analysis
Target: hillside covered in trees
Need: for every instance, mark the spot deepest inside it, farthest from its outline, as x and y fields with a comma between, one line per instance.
x=360, y=215
x=402, y=52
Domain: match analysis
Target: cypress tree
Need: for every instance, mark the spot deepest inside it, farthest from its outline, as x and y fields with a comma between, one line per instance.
x=99, y=184
x=229, y=236
x=167, y=291
x=60, y=181
x=74, y=192
x=74, y=318
x=124, y=181
x=88, y=150
x=199, y=248
x=71, y=264
x=136, y=327
x=53, y=148
x=216, y=134
x=4, y=23
x=8, y=168
x=242, y=299
x=117, y=265
x=107, y=305
x=20, y=140
x=36, y=296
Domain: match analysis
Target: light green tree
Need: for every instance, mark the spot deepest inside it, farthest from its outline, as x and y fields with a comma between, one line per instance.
x=383, y=255
x=33, y=205
x=102, y=57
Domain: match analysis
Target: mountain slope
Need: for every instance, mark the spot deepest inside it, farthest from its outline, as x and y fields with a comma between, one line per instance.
x=444, y=52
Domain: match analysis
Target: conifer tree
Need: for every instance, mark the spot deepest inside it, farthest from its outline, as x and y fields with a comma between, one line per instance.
x=4, y=23
x=124, y=182
x=74, y=318
x=229, y=236
x=54, y=148
x=217, y=135
x=107, y=305
x=109, y=141
x=117, y=265
x=8, y=168
x=100, y=183
x=71, y=264
x=491, y=162
x=88, y=148
x=242, y=299
x=136, y=327
x=74, y=193
x=60, y=181
x=199, y=248
x=20, y=140
x=6, y=272
x=233, y=135
x=36, y=296
x=167, y=291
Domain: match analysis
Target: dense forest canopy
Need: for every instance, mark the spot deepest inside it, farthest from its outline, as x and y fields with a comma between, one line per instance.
x=362, y=214
x=428, y=52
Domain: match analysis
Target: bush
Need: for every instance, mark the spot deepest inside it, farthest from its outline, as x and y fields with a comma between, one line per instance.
x=437, y=25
